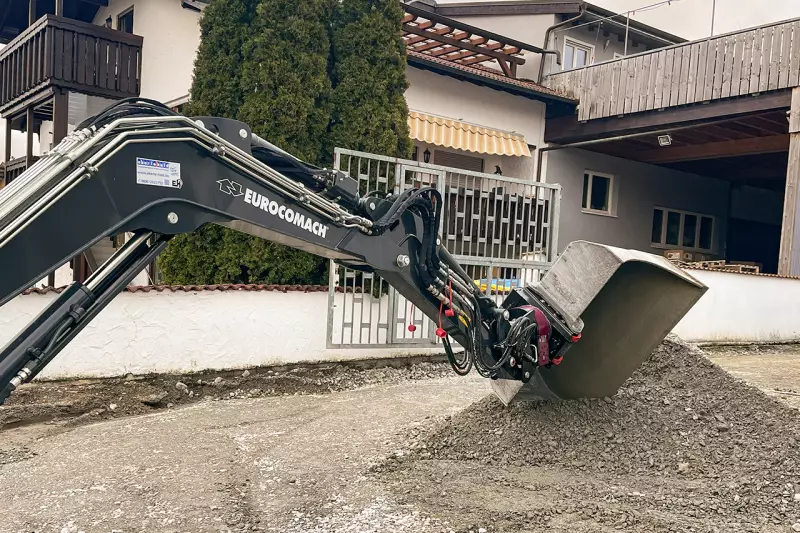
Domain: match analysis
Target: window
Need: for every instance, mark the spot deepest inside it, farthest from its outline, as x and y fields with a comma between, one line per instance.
x=125, y=21
x=452, y=159
x=577, y=54
x=682, y=229
x=617, y=55
x=597, y=189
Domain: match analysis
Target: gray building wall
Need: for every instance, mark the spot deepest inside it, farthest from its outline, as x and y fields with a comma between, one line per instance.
x=637, y=189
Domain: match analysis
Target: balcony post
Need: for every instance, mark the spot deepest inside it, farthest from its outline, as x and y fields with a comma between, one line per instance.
x=789, y=260
x=59, y=8
x=29, y=137
x=31, y=12
x=60, y=115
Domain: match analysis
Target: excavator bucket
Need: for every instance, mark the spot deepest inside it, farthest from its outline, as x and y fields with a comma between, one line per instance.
x=623, y=302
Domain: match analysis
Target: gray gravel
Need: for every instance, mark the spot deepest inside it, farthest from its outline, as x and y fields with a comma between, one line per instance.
x=682, y=446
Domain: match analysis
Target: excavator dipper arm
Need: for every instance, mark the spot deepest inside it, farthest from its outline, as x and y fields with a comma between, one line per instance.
x=139, y=167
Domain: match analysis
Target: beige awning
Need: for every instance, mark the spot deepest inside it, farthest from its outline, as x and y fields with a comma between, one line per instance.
x=449, y=133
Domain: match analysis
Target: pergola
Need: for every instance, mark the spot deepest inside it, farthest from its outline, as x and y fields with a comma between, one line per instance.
x=437, y=36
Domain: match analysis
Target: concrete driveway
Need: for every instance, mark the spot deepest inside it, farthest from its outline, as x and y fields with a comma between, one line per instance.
x=275, y=464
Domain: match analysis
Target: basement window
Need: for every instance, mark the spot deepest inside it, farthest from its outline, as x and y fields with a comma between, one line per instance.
x=597, y=189
x=682, y=229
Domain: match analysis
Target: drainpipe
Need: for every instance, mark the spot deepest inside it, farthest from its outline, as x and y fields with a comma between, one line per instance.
x=547, y=33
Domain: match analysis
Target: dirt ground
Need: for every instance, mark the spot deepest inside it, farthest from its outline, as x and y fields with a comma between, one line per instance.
x=684, y=446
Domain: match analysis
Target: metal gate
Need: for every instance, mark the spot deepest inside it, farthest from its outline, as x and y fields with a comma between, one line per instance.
x=502, y=230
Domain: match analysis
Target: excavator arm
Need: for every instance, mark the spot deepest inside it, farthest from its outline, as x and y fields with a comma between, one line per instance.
x=139, y=167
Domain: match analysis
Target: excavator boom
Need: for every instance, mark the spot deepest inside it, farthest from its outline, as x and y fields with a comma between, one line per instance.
x=140, y=168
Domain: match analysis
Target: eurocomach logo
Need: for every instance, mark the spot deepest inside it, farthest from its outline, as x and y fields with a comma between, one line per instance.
x=285, y=213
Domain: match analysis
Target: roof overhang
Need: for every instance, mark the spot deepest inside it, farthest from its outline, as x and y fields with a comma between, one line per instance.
x=522, y=88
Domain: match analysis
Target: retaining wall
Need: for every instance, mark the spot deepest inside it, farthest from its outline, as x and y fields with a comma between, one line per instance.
x=190, y=329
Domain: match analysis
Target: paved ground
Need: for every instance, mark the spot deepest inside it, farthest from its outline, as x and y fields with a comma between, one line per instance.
x=270, y=464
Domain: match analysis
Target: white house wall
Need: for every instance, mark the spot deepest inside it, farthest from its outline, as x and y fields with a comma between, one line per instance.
x=171, y=37
x=450, y=98
x=638, y=188
x=529, y=29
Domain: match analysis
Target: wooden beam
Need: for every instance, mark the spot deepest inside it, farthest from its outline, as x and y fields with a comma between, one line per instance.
x=567, y=129
x=7, y=150
x=545, y=8
x=60, y=115
x=31, y=12
x=789, y=258
x=29, y=120
x=466, y=46
x=695, y=152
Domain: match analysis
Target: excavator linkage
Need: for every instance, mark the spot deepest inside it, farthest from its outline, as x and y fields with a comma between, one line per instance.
x=140, y=168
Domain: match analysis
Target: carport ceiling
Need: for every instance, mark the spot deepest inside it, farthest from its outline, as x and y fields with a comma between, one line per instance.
x=751, y=148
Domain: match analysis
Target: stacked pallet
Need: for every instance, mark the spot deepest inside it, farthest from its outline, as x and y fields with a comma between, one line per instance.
x=742, y=267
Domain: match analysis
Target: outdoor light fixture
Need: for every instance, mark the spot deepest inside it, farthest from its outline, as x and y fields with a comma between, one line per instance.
x=664, y=140
x=426, y=155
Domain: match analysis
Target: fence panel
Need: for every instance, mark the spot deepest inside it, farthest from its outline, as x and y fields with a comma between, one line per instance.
x=502, y=230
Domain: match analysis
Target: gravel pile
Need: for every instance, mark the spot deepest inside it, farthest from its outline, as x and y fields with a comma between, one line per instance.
x=730, y=452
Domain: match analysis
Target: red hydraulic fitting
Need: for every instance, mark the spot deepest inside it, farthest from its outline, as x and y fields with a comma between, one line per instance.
x=449, y=313
x=557, y=360
x=441, y=333
x=576, y=338
x=412, y=328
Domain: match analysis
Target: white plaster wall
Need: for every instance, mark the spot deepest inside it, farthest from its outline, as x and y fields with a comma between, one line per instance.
x=182, y=332
x=171, y=37
x=638, y=188
x=743, y=308
x=529, y=29
x=445, y=96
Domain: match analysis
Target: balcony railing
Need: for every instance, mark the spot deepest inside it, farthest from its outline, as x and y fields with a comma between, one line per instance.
x=747, y=62
x=70, y=54
x=11, y=169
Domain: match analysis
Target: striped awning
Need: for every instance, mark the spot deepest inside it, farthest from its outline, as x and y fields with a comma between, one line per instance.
x=449, y=133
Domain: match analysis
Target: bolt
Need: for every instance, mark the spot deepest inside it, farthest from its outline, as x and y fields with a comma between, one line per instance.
x=438, y=241
x=172, y=218
x=200, y=123
x=243, y=133
x=527, y=375
x=506, y=314
x=372, y=206
x=512, y=362
x=403, y=261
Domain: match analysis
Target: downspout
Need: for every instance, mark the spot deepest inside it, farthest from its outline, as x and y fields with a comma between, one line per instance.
x=550, y=30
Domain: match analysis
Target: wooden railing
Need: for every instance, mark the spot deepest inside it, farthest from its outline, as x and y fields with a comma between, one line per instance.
x=67, y=53
x=12, y=169
x=758, y=60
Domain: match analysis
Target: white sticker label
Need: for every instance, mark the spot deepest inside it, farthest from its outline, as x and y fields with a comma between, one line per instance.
x=158, y=173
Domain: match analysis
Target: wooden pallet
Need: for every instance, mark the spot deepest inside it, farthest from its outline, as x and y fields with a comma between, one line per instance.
x=723, y=266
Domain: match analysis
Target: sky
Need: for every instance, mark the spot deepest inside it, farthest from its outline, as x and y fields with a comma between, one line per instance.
x=692, y=18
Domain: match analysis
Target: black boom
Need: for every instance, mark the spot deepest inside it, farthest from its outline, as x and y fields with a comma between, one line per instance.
x=139, y=167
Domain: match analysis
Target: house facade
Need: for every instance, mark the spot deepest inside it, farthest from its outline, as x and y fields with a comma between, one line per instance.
x=484, y=96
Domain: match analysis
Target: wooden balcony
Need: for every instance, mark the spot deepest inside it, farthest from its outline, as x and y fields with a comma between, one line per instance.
x=72, y=55
x=12, y=169
x=748, y=62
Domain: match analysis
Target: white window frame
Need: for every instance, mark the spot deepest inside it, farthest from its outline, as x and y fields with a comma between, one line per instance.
x=575, y=43
x=663, y=244
x=592, y=174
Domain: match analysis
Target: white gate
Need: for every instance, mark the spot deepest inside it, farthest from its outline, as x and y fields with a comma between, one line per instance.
x=503, y=231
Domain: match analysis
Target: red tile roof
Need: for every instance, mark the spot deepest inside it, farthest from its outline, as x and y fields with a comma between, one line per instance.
x=488, y=74
x=198, y=288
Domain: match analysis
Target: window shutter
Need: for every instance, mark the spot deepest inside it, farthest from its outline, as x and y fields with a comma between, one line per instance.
x=451, y=159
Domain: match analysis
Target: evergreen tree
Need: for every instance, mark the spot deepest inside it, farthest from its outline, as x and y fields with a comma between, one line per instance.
x=216, y=83
x=266, y=65
x=285, y=76
x=369, y=78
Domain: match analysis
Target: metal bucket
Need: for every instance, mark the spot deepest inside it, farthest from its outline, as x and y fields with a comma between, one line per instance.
x=624, y=303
